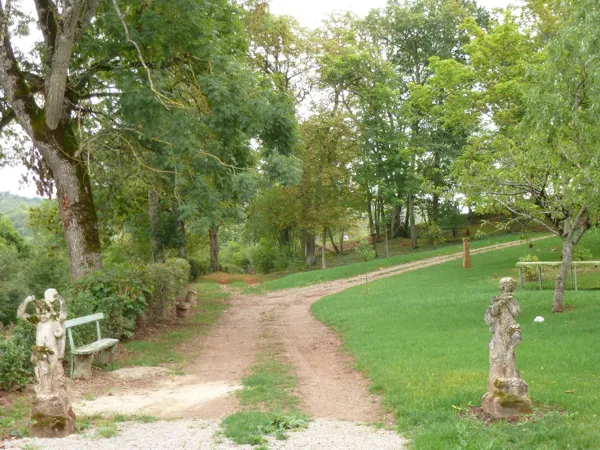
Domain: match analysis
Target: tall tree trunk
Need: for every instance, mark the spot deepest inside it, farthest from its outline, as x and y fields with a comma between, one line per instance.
x=324, y=249
x=411, y=218
x=437, y=181
x=77, y=211
x=182, y=241
x=335, y=247
x=370, y=212
x=377, y=216
x=396, y=221
x=284, y=237
x=213, y=234
x=407, y=218
x=158, y=254
x=387, y=248
x=309, y=248
x=342, y=242
x=561, y=278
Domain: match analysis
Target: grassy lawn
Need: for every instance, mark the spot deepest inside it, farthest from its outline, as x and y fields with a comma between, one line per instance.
x=319, y=276
x=421, y=339
x=163, y=348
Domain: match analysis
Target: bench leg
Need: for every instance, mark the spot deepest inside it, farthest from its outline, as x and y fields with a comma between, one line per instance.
x=106, y=356
x=83, y=366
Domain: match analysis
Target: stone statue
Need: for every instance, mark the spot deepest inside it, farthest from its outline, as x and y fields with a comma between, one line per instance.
x=507, y=394
x=51, y=412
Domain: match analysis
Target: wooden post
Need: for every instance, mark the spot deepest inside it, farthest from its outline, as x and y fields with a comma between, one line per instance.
x=521, y=276
x=466, y=254
x=385, y=232
x=540, y=276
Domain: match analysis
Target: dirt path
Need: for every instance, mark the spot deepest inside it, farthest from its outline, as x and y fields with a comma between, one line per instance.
x=328, y=385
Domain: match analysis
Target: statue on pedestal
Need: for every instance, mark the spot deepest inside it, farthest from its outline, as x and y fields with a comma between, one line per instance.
x=52, y=415
x=507, y=394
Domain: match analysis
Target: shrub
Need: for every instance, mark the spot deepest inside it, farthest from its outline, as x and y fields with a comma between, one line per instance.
x=16, y=369
x=198, y=267
x=164, y=282
x=434, y=234
x=530, y=273
x=582, y=253
x=235, y=258
x=118, y=293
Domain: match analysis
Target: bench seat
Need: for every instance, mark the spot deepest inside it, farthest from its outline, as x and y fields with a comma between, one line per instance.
x=95, y=346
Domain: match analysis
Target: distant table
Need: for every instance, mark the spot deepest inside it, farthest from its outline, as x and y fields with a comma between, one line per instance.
x=539, y=264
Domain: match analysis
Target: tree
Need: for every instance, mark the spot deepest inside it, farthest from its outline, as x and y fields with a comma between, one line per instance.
x=52, y=124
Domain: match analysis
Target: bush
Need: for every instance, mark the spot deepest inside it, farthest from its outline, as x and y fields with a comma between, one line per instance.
x=235, y=258
x=434, y=234
x=16, y=369
x=118, y=293
x=530, y=273
x=582, y=253
x=268, y=256
x=165, y=282
x=198, y=267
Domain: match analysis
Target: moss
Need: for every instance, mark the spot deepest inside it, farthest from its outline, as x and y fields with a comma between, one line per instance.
x=53, y=422
x=33, y=319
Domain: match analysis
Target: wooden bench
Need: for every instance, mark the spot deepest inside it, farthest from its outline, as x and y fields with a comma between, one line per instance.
x=82, y=357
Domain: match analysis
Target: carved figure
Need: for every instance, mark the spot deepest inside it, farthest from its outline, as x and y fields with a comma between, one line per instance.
x=51, y=412
x=507, y=394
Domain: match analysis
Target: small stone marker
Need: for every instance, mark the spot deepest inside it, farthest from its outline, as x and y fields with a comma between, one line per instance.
x=538, y=319
x=51, y=412
x=507, y=394
x=466, y=254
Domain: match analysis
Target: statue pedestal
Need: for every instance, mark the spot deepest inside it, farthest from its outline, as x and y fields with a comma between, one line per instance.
x=508, y=398
x=52, y=417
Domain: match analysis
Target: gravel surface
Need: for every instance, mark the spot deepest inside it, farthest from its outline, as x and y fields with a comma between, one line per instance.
x=206, y=435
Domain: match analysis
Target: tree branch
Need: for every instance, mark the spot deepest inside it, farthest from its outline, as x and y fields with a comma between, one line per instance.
x=47, y=11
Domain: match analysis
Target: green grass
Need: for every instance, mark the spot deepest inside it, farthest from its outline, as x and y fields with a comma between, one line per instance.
x=14, y=419
x=162, y=349
x=421, y=339
x=320, y=276
x=270, y=404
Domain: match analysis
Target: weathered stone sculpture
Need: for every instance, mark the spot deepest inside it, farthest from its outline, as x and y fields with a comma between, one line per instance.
x=52, y=415
x=507, y=394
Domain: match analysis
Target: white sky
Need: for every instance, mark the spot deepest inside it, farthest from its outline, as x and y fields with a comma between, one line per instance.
x=310, y=13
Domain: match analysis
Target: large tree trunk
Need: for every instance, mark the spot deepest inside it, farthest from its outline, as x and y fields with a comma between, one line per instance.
x=284, y=237
x=411, y=219
x=154, y=213
x=396, y=221
x=213, y=235
x=309, y=248
x=370, y=211
x=77, y=211
x=561, y=278
x=342, y=242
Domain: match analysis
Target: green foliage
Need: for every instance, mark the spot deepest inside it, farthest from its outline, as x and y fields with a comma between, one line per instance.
x=126, y=294
x=16, y=209
x=13, y=421
x=582, y=253
x=198, y=267
x=16, y=369
x=365, y=251
x=235, y=258
x=119, y=293
x=434, y=234
x=164, y=282
x=530, y=273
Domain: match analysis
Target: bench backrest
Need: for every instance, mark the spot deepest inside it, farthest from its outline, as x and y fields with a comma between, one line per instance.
x=81, y=321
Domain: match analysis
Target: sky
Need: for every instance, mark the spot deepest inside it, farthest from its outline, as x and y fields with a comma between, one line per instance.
x=310, y=13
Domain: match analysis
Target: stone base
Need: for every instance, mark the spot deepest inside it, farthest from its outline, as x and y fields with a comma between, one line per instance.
x=501, y=405
x=83, y=366
x=52, y=417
